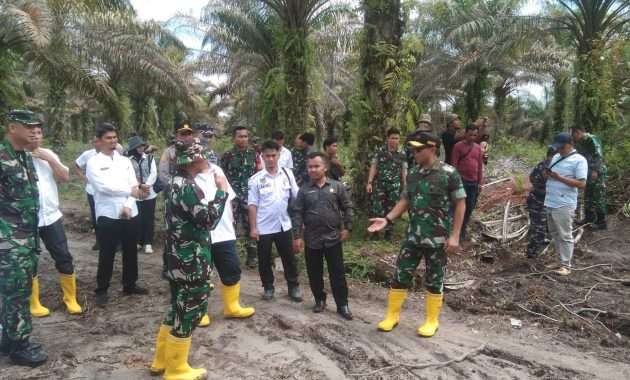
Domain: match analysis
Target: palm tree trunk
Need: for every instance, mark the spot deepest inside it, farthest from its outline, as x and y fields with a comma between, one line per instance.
x=383, y=25
x=55, y=108
x=297, y=65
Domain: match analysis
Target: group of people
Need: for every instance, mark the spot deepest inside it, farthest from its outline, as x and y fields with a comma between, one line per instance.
x=574, y=161
x=265, y=195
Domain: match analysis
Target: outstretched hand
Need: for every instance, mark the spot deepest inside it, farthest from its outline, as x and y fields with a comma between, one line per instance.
x=377, y=224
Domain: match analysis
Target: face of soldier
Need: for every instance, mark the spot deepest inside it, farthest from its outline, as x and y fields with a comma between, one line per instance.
x=456, y=124
x=424, y=155
x=108, y=142
x=471, y=135
x=241, y=138
x=425, y=127
x=185, y=136
x=331, y=149
x=270, y=156
x=577, y=134
x=21, y=134
x=298, y=143
x=316, y=168
x=393, y=141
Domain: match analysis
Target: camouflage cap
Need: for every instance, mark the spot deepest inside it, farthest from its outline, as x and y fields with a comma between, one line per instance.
x=25, y=117
x=425, y=118
x=188, y=153
x=451, y=117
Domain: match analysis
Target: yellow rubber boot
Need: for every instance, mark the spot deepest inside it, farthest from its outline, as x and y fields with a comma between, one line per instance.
x=69, y=288
x=205, y=321
x=231, y=305
x=159, y=363
x=37, y=310
x=395, y=300
x=433, y=307
x=176, y=355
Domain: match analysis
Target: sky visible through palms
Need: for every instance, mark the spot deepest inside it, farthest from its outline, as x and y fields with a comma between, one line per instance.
x=163, y=10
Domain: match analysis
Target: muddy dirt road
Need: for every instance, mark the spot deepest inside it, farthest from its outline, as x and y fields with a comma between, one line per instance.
x=284, y=340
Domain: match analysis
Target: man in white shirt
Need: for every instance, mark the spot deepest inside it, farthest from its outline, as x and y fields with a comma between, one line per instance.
x=566, y=174
x=49, y=168
x=286, y=158
x=269, y=193
x=80, y=165
x=115, y=193
x=223, y=247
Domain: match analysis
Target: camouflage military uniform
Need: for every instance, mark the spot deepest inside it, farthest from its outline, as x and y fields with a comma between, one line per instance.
x=429, y=192
x=299, y=164
x=189, y=258
x=19, y=205
x=537, y=233
x=595, y=193
x=238, y=166
x=388, y=181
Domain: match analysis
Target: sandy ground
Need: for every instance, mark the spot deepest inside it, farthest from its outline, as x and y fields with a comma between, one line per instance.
x=285, y=340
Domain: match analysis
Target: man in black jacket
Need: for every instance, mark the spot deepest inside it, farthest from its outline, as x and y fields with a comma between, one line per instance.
x=322, y=216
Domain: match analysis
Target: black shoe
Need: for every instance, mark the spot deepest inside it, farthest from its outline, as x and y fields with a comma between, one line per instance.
x=268, y=294
x=251, y=262
x=130, y=290
x=295, y=293
x=27, y=354
x=320, y=306
x=101, y=299
x=345, y=312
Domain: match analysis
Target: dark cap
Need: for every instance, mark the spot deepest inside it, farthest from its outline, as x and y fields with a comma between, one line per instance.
x=134, y=142
x=561, y=139
x=183, y=125
x=422, y=140
x=204, y=128
x=25, y=117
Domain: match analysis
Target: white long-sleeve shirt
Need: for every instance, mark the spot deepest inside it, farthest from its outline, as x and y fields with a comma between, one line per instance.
x=151, y=177
x=224, y=231
x=112, y=178
x=48, y=194
x=270, y=194
x=81, y=162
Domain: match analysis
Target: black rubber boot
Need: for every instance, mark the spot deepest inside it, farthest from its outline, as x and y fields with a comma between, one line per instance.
x=5, y=346
x=600, y=221
x=27, y=354
x=252, y=258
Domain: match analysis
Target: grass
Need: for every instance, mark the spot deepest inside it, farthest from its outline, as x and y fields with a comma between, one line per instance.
x=528, y=151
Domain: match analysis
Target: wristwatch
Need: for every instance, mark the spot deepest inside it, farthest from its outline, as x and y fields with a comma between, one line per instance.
x=389, y=221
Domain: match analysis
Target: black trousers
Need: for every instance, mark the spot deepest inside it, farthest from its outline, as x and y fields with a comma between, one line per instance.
x=472, y=193
x=146, y=216
x=90, y=199
x=336, y=272
x=110, y=233
x=55, y=241
x=284, y=245
x=226, y=261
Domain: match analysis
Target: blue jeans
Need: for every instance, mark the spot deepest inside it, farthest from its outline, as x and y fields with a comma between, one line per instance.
x=472, y=193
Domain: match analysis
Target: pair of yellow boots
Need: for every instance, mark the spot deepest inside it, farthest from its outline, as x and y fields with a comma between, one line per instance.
x=395, y=300
x=171, y=352
x=68, y=286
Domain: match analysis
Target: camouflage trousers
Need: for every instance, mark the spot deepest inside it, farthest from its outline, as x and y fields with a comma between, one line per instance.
x=17, y=266
x=538, y=233
x=241, y=219
x=408, y=260
x=383, y=198
x=595, y=199
x=189, y=302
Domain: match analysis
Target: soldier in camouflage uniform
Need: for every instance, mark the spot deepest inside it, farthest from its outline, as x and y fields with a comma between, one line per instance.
x=537, y=233
x=188, y=261
x=239, y=163
x=386, y=179
x=19, y=242
x=303, y=147
x=433, y=187
x=590, y=146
